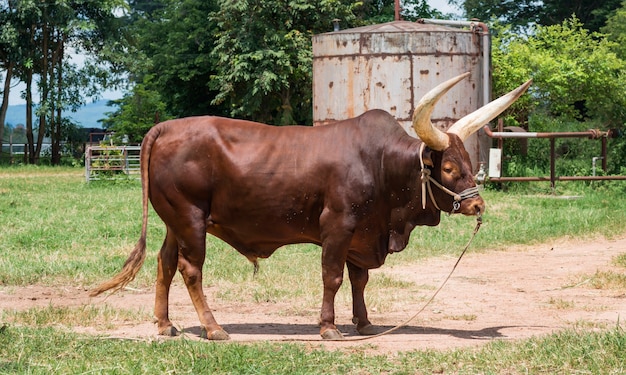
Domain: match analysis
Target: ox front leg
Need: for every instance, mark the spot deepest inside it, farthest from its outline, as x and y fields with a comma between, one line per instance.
x=333, y=262
x=332, y=279
x=358, y=279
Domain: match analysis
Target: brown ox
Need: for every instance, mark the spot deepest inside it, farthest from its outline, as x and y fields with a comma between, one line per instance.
x=353, y=187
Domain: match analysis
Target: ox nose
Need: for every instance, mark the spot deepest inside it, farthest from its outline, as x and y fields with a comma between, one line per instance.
x=474, y=206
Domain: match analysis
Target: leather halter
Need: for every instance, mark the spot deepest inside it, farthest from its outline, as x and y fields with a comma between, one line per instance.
x=427, y=179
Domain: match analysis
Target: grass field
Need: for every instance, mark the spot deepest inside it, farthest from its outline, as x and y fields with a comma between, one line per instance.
x=56, y=230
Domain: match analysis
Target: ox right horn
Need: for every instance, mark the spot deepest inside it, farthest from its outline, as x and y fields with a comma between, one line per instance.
x=426, y=131
x=475, y=120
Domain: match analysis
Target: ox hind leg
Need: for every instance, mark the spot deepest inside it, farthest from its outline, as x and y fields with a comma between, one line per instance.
x=166, y=268
x=358, y=279
x=184, y=248
x=191, y=254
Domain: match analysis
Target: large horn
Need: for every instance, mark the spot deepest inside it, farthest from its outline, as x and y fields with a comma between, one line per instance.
x=433, y=137
x=475, y=120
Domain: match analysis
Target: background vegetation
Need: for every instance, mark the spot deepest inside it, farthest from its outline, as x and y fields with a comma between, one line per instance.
x=37, y=39
x=252, y=59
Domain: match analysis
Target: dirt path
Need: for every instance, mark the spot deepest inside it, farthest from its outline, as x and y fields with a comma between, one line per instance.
x=495, y=296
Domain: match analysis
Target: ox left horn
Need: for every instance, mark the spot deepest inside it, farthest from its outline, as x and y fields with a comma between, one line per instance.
x=429, y=134
x=475, y=120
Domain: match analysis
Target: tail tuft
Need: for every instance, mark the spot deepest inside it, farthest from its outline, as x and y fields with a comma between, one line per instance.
x=127, y=274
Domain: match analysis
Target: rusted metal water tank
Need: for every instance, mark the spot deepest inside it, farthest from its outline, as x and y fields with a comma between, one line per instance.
x=390, y=66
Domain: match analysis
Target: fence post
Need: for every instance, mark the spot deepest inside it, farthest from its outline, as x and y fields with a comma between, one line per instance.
x=552, y=166
x=87, y=163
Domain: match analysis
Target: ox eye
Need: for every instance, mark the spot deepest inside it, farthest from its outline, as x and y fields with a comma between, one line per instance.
x=447, y=169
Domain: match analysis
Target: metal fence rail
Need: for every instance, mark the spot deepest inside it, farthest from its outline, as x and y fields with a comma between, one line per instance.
x=590, y=134
x=109, y=162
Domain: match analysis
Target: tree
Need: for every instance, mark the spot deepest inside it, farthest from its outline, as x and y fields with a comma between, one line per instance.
x=136, y=113
x=577, y=85
x=412, y=10
x=615, y=29
x=33, y=47
x=575, y=73
x=379, y=11
x=523, y=13
x=591, y=13
x=13, y=49
x=174, y=43
x=90, y=27
x=264, y=56
x=8, y=43
x=243, y=58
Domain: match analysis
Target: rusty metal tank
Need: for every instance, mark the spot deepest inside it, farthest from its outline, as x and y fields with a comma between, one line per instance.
x=390, y=66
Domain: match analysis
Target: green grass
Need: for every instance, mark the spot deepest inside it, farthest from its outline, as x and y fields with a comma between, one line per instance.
x=104, y=316
x=47, y=350
x=57, y=230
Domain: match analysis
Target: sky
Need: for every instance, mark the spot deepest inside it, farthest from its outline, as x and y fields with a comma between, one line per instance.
x=15, y=95
x=442, y=6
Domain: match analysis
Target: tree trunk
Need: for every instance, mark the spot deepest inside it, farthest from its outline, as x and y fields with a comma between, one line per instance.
x=43, y=87
x=286, y=113
x=5, y=101
x=56, y=109
x=29, y=117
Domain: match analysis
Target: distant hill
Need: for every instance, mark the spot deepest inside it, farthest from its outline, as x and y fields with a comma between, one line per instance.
x=86, y=117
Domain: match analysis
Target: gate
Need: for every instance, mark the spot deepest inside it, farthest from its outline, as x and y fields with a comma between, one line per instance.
x=111, y=162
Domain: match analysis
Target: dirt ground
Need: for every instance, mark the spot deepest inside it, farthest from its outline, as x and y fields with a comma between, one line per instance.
x=523, y=292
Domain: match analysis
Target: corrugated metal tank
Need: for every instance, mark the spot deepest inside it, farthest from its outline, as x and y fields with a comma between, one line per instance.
x=390, y=66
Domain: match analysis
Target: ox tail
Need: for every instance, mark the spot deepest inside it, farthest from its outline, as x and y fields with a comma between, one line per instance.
x=138, y=255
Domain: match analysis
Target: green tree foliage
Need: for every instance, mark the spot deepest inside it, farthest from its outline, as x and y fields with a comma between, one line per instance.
x=136, y=113
x=172, y=44
x=380, y=11
x=245, y=58
x=575, y=73
x=264, y=56
x=523, y=13
x=34, y=41
x=615, y=29
x=146, y=7
x=169, y=65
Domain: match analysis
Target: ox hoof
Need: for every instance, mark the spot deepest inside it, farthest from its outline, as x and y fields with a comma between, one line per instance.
x=368, y=330
x=169, y=331
x=217, y=335
x=332, y=334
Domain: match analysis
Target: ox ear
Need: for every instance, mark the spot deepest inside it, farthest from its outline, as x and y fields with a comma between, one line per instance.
x=433, y=137
x=475, y=120
x=427, y=157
